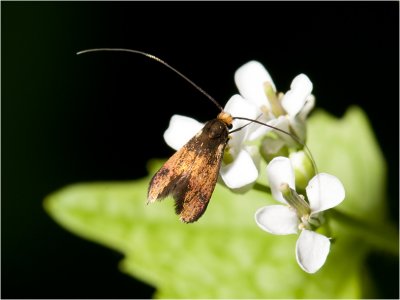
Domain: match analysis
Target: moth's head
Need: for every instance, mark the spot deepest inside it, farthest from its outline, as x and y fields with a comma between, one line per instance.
x=226, y=118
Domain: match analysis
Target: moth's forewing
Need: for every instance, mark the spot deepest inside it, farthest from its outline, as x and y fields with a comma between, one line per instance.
x=191, y=173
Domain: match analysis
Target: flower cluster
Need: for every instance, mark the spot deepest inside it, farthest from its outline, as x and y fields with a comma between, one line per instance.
x=258, y=99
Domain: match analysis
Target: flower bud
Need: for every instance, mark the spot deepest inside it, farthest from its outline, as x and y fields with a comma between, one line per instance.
x=303, y=168
x=271, y=147
x=296, y=201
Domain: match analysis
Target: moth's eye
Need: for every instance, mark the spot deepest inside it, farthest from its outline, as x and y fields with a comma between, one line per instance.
x=229, y=126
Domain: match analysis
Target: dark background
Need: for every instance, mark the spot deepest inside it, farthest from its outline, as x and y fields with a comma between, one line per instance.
x=68, y=118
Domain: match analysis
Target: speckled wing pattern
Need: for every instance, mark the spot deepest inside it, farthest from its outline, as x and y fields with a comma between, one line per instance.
x=190, y=175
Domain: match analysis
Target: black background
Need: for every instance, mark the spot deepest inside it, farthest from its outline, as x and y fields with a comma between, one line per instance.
x=68, y=118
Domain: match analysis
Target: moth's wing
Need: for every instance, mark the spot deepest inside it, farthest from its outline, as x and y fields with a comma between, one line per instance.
x=191, y=173
x=193, y=193
x=171, y=175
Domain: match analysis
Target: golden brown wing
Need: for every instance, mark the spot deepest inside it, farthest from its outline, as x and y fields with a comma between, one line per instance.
x=191, y=173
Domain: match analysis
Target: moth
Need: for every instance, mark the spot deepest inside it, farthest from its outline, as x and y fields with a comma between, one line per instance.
x=190, y=175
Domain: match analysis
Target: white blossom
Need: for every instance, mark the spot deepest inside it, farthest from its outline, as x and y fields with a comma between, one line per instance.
x=283, y=111
x=323, y=191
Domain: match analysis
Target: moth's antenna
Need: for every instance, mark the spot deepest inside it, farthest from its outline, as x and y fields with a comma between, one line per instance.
x=310, y=156
x=158, y=60
x=204, y=93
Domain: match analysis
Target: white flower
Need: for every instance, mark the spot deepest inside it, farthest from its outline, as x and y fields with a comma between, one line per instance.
x=242, y=168
x=283, y=111
x=324, y=191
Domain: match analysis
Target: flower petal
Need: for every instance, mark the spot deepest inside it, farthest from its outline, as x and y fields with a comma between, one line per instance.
x=250, y=79
x=256, y=130
x=298, y=127
x=237, y=106
x=312, y=249
x=277, y=219
x=308, y=106
x=284, y=123
x=241, y=172
x=280, y=171
x=181, y=129
x=324, y=191
x=300, y=89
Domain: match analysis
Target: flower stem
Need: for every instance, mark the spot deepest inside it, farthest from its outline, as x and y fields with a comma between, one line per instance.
x=381, y=236
x=261, y=187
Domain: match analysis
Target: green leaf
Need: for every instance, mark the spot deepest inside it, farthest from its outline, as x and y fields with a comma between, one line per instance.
x=224, y=254
x=347, y=148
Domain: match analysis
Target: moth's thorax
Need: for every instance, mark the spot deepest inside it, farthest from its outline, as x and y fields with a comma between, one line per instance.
x=215, y=129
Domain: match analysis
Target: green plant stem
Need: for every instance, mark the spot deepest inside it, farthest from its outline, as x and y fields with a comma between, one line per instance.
x=381, y=236
x=262, y=188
